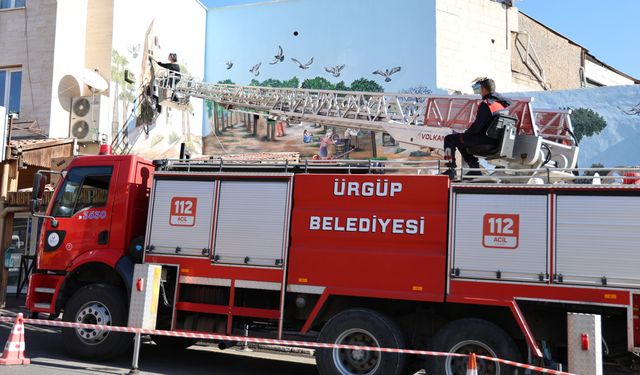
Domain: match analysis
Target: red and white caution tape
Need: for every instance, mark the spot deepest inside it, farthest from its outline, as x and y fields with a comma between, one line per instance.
x=317, y=345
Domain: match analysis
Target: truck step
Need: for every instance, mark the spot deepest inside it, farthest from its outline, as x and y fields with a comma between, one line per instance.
x=45, y=290
x=44, y=306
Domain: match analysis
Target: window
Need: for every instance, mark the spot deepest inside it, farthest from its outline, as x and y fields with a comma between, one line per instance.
x=12, y=4
x=10, y=89
x=84, y=187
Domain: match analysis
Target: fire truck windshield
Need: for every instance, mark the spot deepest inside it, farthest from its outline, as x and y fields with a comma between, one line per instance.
x=83, y=187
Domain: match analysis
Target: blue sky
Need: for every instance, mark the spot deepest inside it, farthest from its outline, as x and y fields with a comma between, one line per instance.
x=240, y=35
x=609, y=30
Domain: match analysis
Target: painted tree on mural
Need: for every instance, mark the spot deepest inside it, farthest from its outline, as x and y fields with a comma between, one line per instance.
x=124, y=90
x=586, y=122
x=633, y=111
x=366, y=85
x=317, y=83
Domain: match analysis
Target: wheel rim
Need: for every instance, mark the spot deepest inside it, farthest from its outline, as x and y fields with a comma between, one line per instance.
x=458, y=365
x=361, y=362
x=93, y=313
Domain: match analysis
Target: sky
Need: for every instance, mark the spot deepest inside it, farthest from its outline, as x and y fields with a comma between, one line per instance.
x=609, y=30
x=352, y=54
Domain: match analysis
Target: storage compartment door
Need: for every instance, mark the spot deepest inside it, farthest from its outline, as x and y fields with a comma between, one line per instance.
x=251, y=222
x=598, y=240
x=181, y=220
x=500, y=236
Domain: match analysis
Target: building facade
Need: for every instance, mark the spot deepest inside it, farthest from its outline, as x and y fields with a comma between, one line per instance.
x=55, y=49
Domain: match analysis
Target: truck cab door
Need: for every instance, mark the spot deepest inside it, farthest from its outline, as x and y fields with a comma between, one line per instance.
x=82, y=210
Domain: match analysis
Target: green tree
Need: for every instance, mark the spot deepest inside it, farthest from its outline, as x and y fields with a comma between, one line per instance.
x=586, y=122
x=341, y=86
x=254, y=82
x=292, y=83
x=226, y=82
x=367, y=85
x=271, y=83
x=317, y=83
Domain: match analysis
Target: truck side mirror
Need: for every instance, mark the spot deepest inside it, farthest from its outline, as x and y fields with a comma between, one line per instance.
x=39, y=180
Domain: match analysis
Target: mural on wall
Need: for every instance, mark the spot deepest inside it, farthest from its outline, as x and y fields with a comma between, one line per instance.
x=346, y=45
x=615, y=140
x=142, y=123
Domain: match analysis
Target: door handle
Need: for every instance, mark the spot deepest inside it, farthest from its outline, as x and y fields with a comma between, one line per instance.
x=103, y=237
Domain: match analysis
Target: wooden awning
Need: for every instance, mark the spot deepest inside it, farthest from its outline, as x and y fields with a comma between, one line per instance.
x=40, y=152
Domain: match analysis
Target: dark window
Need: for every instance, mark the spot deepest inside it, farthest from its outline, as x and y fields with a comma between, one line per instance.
x=10, y=89
x=83, y=187
x=12, y=3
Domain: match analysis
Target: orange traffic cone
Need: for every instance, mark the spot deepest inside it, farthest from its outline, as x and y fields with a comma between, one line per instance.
x=472, y=366
x=14, y=348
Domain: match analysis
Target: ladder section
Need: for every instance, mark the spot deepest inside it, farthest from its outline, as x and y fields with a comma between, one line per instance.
x=412, y=120
x=362, y=110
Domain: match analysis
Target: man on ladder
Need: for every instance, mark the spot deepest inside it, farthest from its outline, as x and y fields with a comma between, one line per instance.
x=491, y=104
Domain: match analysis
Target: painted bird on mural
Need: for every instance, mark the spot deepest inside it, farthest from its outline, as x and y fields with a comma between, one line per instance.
x=278, y=57
x=335, y=70
x=301, y=65
x=387, y=73
x=256, y=69
x=229, y=64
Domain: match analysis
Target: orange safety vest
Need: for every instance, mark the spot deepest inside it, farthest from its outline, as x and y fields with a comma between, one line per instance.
x=495, y=106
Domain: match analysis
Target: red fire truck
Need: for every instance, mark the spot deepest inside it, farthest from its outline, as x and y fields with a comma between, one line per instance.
x=339, y=253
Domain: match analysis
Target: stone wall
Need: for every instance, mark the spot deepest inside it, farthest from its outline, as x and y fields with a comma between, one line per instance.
x=26, y=36
x=559, y=57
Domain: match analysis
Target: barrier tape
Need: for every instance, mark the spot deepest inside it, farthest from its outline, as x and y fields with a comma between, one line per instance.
x=318, y=345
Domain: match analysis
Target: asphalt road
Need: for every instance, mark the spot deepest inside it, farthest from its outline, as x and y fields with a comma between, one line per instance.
x=44, y=347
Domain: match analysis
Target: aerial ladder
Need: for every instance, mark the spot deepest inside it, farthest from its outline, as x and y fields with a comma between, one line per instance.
x=535, y=139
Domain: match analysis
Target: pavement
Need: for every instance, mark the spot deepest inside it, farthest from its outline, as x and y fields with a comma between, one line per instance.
x=45, y=349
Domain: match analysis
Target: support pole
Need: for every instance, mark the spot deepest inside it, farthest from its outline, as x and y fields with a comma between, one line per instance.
x=136, y=354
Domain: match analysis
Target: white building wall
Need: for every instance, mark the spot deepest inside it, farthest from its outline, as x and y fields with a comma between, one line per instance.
x=32, y=52
x=69, y=57
x=473, y=39
x=162, y=27
x=604, y=76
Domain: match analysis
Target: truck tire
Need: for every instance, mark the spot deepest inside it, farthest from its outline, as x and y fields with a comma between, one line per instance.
x=471, y=335
x=360, y=327
x=96, y=304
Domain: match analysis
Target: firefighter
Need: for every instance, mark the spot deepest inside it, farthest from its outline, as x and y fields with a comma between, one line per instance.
x=491, y=104
x=174, y=73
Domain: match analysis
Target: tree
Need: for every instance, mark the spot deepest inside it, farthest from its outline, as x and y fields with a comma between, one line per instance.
x=367, y=85
x=341, y=86
x=418, y=90
x=317, y=83
x=633, y=110
x=124, y=89
x=226, y=82
x=292, y=83
x=586, y=122
x=254, y=82
x=271, y=83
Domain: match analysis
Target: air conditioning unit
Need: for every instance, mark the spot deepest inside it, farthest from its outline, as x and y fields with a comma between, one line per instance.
x=85, y=118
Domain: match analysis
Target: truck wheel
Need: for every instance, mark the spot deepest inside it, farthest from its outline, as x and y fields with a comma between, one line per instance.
x=366, y=328
x=467, y=336
x=96, y=304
